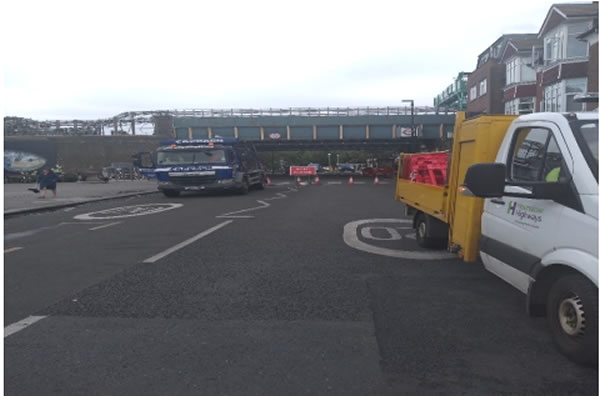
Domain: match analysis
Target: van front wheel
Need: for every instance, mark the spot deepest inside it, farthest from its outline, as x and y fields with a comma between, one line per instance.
x=572, y=313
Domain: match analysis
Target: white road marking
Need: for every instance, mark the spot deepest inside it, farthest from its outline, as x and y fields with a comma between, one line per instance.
x=263, y=205
x=278, y=196
x=104, y=226
x=186, y=242
x=282, y=184
x=21, y=324
x=350, y=237
x=334, y=182
x=234, y=217
x=367, y=232
x=128, y=211
x=14, y=249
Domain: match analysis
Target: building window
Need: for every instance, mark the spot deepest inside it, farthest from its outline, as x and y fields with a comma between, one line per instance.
x=577, y=48
x=574, y=87
x=553, y=46
x=553, y=97
x=473, y=93
x=483, y=87
x=513, y=71
x=519, y=106
x=510, y=107
x=526, y=105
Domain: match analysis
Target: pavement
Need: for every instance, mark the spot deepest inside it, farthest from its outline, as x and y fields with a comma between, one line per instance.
x=18, y=199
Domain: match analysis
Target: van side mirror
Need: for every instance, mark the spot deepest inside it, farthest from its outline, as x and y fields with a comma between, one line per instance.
x=485, y=180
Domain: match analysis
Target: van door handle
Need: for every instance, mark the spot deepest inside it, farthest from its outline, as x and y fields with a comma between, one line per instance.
x=498, y=201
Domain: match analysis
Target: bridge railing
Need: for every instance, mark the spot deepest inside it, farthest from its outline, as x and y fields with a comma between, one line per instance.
x=308, y=112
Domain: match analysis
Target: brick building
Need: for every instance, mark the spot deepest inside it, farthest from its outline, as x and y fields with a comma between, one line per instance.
x=519, y=95
x=486, y=83
x=562, y=65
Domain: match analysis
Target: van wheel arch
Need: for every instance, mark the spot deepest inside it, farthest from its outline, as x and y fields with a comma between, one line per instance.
x=537, y=295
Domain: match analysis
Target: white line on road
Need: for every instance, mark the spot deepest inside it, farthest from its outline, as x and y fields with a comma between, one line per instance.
x=186, y=242
x=278, y=196
x=104, y=226
x=334, y=182
x=263, y=205
x=12, y=249
x=21, y=324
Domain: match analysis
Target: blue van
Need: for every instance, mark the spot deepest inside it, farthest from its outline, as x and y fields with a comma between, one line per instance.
x=206, y=165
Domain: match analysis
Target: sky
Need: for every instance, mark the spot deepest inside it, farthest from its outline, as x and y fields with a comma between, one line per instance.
x=95, y=59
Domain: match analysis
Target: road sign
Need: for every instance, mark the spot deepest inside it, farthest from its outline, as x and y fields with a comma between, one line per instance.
x=303, y=171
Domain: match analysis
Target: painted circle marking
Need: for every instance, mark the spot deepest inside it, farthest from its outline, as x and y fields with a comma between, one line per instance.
x=128, y=211
x=351, y=239
x=367, y=232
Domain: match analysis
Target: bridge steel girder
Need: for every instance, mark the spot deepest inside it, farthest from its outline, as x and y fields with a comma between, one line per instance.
x=399, y=145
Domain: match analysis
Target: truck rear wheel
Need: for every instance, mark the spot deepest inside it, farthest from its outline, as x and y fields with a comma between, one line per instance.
x=572, y=313
x=426, y=235
x=171, y=193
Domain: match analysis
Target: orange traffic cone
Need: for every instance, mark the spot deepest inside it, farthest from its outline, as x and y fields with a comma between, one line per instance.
x=269, y=181
x=376, y=181
x=351, y=180
x=298, y=181
x=317, y=181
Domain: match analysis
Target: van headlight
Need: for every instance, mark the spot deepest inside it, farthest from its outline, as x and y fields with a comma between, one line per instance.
x=225, y=181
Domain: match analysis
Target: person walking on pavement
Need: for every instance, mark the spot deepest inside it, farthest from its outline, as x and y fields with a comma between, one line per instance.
x=47, y=181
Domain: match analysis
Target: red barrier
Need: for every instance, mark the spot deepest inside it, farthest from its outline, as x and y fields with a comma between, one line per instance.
x=427, y=168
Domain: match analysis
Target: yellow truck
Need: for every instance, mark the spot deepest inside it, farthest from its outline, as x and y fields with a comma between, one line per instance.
x=521, y=194
x=442, y=217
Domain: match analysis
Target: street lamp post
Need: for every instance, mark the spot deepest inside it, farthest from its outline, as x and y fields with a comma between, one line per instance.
x=413, y=134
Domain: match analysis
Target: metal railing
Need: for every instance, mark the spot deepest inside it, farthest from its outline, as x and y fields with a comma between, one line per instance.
x=308, y=112
x=24, y=126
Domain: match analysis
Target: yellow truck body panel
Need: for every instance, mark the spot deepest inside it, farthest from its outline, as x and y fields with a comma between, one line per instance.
x=476, y=140
x=424, y=197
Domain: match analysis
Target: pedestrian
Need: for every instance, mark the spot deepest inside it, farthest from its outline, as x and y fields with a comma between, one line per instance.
x=47, y=181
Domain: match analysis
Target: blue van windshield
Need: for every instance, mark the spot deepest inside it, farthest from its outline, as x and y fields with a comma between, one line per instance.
x=195, y=157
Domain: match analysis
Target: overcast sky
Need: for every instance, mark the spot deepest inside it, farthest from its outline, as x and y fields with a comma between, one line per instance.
x=95, y=59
